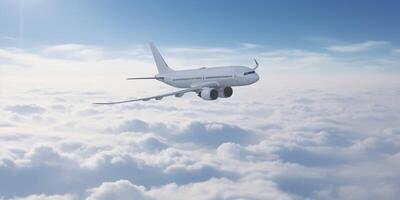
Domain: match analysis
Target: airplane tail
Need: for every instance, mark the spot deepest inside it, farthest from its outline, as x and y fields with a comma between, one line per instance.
x=160, y=62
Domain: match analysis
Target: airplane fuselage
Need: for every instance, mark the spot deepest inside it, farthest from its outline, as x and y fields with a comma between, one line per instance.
x=209, y=83
x=223, y=76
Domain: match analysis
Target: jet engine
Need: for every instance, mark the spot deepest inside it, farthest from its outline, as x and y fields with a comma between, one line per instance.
x=208, y=94
x=225, y=92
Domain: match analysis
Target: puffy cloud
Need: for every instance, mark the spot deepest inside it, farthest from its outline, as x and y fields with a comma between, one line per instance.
x=134, y=125
x=325, y=151
x=197, y=133
x=212, y=189
x=45, y=155
x=37, y=171
x=247, y=188
x=151, y=143
x=183, y=174
x=214, y=134
x=121, y=190
x=319, y=137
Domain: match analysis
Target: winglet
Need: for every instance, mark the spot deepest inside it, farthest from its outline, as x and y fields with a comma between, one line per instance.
x=256, y=64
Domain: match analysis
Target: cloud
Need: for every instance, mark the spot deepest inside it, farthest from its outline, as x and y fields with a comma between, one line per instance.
x=246, y=45
x=211, y=189
x=302, y=137
x=200, y=50
x=358, y=192
x=197, y=133
x=134, y=125
x=5, y=125
x=151, y=143
x=357, y=47
x=296, y=53
x=86, y=64
x=46, y=197
x=7, y=38
x=232, y=150
x=66, y=47
x=310, y=144
x=247, y=188
x=80, y=51
x=121, y=190
x=214, y=134
x=309, y=158
x=182, y=174
x=25, y=109
x=46, y=155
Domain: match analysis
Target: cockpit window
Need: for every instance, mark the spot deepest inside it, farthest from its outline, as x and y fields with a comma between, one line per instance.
x=250, y=72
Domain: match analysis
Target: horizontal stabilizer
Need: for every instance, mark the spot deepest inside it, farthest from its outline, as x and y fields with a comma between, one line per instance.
x=141, y=78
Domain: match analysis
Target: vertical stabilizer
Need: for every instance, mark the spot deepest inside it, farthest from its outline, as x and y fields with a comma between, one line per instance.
x=160, y=62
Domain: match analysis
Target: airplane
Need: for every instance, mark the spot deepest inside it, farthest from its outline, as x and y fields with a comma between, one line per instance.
x=209, y=83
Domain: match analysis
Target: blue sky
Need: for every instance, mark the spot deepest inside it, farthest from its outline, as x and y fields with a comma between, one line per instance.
x=295, y=24
x=321, y=123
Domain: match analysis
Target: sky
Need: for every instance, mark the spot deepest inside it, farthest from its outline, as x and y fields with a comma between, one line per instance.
x=210, y=23
x=321, y=123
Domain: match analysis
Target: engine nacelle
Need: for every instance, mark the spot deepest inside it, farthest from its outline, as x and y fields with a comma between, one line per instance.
x=225, y=92
x=208, y=94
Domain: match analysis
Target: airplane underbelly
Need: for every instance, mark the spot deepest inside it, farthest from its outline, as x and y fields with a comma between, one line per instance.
x=182, y=84
x=185, y=84
x=226, y=82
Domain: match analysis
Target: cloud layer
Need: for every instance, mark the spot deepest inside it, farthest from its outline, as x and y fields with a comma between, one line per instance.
x=302, y=137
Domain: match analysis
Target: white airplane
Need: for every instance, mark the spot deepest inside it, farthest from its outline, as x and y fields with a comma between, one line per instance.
x=208, y=83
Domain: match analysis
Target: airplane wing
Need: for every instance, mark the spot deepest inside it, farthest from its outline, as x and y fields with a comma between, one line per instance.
x=178, y=93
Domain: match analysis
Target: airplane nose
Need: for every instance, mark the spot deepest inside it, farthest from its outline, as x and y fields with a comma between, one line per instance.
x=256, y=78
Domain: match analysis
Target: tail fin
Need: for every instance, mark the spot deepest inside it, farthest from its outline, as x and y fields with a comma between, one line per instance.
x=160, y=62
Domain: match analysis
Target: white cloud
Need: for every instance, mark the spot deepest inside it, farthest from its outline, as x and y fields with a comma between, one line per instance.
x=247, y=45
x=8, y=38
x=302, y=137
x=247, y=188
x=357, y=47
x=79, y=51
x=311, y=139
x=200, y=50
x=25, y=109
x=66, y=47
x=46, y=197
x=212, y=189
x=119, y=190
